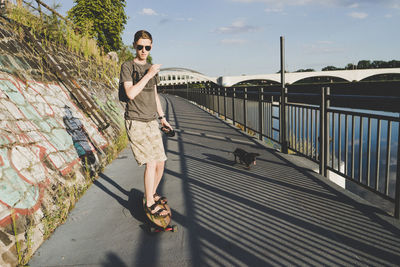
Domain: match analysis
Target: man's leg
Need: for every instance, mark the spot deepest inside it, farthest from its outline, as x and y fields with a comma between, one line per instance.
x=149, y=181
x=159, y=173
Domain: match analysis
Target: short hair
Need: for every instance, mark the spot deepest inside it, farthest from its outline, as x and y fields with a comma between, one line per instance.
x=142, y=34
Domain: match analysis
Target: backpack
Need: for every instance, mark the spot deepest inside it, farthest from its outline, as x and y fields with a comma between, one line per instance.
x=122, y=94
x=121, y=90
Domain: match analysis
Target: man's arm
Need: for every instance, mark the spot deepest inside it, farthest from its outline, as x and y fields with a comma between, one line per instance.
x=160, y=111
x=158, y=102
x=132, y=90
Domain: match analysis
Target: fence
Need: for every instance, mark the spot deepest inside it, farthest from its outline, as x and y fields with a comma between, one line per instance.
x=351, y=129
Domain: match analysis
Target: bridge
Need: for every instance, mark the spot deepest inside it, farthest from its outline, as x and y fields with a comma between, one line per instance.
x=278, y=213
x=173, y=76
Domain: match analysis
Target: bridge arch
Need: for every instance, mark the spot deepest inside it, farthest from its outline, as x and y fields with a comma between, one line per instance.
x=183, y=75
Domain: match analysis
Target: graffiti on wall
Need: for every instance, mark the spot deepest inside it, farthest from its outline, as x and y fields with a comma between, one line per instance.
x=36, y=140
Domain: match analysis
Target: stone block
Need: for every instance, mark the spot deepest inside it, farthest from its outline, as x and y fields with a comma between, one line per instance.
x=5, y=239
x=10, y=257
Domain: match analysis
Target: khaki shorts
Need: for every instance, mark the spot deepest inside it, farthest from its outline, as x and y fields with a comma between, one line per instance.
x=146, y=141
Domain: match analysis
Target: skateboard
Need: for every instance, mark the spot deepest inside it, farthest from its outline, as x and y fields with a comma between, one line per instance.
x=159, y=224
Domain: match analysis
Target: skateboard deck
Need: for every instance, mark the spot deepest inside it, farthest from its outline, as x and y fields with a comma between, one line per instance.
x=158, y=223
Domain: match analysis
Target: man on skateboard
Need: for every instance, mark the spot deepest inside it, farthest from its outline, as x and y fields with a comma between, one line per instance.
x=139, y=79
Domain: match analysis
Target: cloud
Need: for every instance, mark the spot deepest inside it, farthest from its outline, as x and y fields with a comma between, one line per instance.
x=168, y=20
x=148, y=12
x=184, y=19
x=233, y=41
x=358, y=15
x=355, y=5
x=236, y=27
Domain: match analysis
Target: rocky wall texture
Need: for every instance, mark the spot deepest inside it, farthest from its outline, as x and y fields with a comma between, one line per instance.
x=50, y=150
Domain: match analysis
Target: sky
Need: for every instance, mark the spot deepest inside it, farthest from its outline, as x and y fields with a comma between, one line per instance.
x=242, y=37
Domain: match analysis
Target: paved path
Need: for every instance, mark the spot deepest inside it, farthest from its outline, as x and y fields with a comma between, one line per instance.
x=274, y=214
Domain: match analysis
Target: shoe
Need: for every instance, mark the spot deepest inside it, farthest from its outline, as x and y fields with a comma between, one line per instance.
x=161, y=200
x=158, y=212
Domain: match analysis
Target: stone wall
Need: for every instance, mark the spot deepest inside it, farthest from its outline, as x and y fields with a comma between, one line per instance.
x=50, y=150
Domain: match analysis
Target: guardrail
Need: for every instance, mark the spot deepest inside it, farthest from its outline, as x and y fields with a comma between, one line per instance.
x=362, y=145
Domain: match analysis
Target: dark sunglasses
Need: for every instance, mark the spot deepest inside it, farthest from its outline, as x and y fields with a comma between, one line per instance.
x=140, y=47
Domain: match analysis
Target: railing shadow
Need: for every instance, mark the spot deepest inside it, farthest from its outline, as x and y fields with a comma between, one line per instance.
x=274, y=214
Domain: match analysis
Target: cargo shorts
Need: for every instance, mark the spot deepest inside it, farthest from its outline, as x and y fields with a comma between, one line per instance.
x=146, y=141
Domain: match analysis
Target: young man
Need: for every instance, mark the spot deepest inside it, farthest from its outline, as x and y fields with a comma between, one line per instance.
x=139, y=79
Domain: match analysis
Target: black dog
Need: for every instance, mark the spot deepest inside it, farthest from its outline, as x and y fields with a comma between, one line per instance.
x=244, y=157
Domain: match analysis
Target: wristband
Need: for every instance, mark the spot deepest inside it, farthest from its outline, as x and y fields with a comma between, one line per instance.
x=161, y=117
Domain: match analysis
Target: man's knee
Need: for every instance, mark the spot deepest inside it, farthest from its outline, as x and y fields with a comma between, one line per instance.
x=151, y=165
x=160, y=165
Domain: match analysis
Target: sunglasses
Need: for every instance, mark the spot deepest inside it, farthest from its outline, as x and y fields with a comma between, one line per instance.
x=140, y=47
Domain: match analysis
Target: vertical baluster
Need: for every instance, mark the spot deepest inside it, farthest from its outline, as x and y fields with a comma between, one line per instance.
x=260, y=113
x=353, y=127
x=369, y=152
x=333, y=141
x=389, y=140
x=339, y=141
x=378, y=155
x=360, y=158
x=346, y=144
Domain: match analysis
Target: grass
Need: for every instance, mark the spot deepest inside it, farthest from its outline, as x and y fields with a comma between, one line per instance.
x=17, y=244
x=52, y=31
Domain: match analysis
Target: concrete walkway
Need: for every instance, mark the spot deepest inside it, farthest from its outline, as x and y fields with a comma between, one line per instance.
x=274, y=214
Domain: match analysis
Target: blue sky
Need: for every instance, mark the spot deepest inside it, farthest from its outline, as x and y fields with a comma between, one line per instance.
x=235, y=37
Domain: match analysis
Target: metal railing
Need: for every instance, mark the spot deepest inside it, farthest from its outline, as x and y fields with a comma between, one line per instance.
x=344, y=131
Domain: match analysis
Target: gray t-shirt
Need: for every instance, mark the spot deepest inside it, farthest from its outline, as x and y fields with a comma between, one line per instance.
x=143, y=107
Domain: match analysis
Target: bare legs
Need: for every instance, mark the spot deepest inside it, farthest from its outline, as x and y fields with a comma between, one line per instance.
x=152, y=177
x=158, y=175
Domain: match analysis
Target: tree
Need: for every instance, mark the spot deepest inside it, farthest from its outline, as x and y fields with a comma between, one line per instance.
x=330, y=68
x=378, y=64
x=103, y=20
x=305, y=70
x=364, y=64
x=393, y=64
x=350, y=66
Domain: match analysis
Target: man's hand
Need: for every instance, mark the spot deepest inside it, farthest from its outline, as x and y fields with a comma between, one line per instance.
x=154, y=69
x=165, y=123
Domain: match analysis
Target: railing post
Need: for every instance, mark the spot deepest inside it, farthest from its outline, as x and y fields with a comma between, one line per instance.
x=208, y=97
x=245, y=109
x=187, y=91
x=282, y=128
x=260, y=113
x=324, y=131
x=233, y=105
x=213, y=98
x=219, y=92
x=224, y=103
x=397, y=192
x=282, y=121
